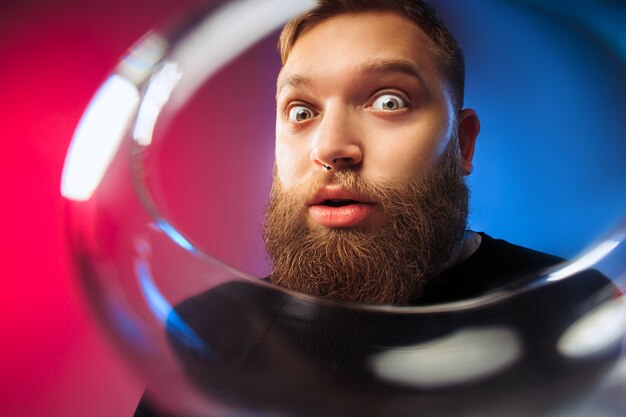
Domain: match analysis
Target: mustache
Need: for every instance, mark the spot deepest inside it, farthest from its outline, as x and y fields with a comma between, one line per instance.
x=348, y=180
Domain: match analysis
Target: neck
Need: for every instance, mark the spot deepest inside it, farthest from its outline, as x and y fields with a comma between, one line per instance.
x=468, y=245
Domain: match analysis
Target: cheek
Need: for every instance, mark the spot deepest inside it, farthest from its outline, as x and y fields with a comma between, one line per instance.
x=283, y=161
x=285, y=169
x=409, y=153
x=289, y=163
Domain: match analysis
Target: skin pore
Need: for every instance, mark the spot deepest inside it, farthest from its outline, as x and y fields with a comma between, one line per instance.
x=365, y=95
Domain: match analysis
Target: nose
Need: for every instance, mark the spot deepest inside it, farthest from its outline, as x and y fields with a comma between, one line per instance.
x=337, y=144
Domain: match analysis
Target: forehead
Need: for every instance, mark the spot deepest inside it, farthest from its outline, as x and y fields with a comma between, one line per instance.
x=358, y=42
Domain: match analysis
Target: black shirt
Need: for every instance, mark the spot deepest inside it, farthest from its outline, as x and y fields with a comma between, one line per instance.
x=495, y=263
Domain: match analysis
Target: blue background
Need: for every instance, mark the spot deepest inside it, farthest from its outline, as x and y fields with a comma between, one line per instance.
x=548, y=80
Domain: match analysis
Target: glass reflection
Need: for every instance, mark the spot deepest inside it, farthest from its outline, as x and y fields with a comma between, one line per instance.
x=211, y=339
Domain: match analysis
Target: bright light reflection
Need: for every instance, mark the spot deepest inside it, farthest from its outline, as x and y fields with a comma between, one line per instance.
x=595, y=331
x=157, y=94
x=98, y=137
x=138, y=64
x=173, y=234
x=465, y=356
x=586, y=261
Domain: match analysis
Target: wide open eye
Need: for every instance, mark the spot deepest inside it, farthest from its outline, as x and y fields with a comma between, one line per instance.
x=389, y=102
x=300, y=114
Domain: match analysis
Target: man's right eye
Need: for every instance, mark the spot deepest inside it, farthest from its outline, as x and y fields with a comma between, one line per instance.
x=299, y=114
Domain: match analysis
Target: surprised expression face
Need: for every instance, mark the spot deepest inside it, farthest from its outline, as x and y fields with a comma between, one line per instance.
x=362, y=92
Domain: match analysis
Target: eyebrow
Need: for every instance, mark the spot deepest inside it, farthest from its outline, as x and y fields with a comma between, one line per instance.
x=372, y=67
x=294, y=81
x=391, y=66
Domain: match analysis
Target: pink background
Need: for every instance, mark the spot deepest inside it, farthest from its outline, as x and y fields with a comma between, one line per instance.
x=54, y=361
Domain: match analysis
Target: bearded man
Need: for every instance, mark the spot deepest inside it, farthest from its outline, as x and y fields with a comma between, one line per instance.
x=369, y=205
x=369, y=202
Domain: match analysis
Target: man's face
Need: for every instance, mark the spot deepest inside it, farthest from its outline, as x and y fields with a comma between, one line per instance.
x=365, y=95
x=367, y=91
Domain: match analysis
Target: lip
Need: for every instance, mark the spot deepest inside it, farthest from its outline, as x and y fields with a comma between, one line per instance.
x=335, y=193
x=345, y=216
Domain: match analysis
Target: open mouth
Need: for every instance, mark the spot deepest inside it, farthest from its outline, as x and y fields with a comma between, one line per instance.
x=338, y=203
x=340, y=208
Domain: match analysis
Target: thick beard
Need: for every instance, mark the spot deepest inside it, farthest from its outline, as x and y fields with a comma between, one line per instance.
x=424, y=224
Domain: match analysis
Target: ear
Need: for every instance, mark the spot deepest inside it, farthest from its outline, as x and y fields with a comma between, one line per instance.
x=468, y=129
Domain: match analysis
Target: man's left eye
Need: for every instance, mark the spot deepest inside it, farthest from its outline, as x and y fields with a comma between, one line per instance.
x=389, y=102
